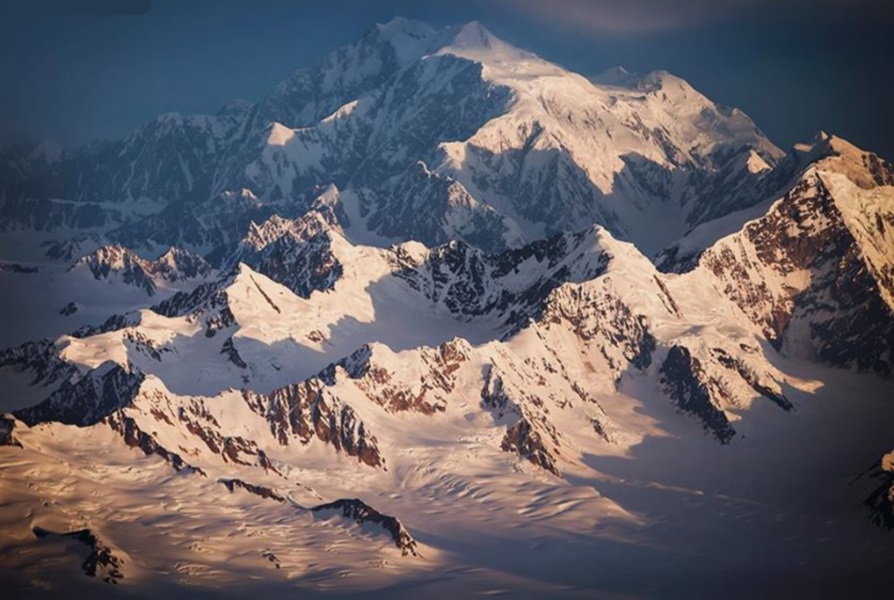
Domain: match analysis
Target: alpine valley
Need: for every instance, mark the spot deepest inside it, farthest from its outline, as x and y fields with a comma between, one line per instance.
x=439, y=317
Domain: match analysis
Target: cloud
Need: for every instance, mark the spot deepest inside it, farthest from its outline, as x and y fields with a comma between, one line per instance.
x=635, y=16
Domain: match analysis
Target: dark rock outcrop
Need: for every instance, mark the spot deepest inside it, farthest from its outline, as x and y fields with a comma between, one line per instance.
x=40, y=358
x=471, y=283
x=427, y=395
x=174, y=265
x=135, y=437
x=295, y=253
x=100, y=562
x=305, y=410
x=691, y=389
x=89, y=400
x=361, y=513
x=835, y=312
x=17, y=268
x=208, y=301
x=881, y=501
x=527, y=432
x=258, y=490
x=7, y=427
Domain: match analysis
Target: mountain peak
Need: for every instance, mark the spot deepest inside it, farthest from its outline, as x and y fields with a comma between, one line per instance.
x=664, y=80
x=261, y=234
x=820, y=142
x=828, y=152
x=329, y=196
x=408, y=38
x=475, y=33
x=836, y=143
x=653, y=81
x=824, y=145
x=303, y=228
x=616, y=76
x=474, y=41
x=401, y=26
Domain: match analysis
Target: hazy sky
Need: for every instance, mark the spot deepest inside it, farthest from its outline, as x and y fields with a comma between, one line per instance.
x=796, y=66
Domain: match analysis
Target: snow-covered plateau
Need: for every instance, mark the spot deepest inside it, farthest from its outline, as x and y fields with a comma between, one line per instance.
x=441, y=318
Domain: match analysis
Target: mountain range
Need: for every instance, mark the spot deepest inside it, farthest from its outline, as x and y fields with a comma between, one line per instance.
x=440, y=316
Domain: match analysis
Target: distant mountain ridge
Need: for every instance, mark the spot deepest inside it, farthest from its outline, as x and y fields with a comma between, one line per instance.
x=492, y=138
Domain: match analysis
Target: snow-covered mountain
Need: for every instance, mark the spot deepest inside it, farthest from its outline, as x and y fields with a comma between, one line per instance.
x=575, y=308
x=815, y=271
x=499, y=146
x=117, y=261
x=410, y=338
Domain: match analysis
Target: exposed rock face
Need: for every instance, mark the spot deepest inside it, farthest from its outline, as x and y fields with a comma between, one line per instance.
x=694, y=391
x=101, y=562
x=7, y=427
x=272, y=558
x=513, y=283
x=258, y=490
x=439, y=209
x=40, y=358
x=113, y=323
x=428, y=395
x=178, y=264
x=69, y=309
x=72, y=248
x=711, y=380
x=881, y=501
x=102, y=261
x=604, y=324
x=88, y=400
x=232, y=354
x=361, y=513
x=135, y=437
x=813, y=270
x=529, y=434
x=208, y=302
x=118, y=261
x=194, y=416
x=737, y=366
x=306, y=410
x=584, y=303
x=826, y=154
x=300, y=412
x=803, y=276
x=213, y=223
x=297, y=254
x=368, y=210
x=119, y=396
x=168, y=159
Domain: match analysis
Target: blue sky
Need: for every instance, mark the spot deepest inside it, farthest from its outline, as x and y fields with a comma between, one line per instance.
x=796, y=66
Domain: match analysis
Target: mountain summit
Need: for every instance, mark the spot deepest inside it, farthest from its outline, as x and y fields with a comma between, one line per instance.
x=502, y=146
